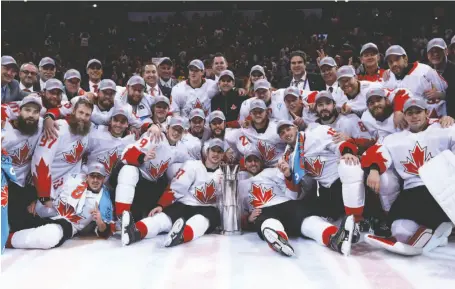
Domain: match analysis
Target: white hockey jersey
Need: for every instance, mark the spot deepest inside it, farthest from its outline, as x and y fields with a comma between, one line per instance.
x=407, y=152
x=75, y=203
x=20, y=148
x=194, y=185
x=184, y=98
x=53, y=159
x=143, y=110
x=321, y=154
x=359, y=103
x=11, y=110
x=104, y=148
x=166, y=155
x=269, y=144
x=418, y=80
x=266, y=189
x=379, y=129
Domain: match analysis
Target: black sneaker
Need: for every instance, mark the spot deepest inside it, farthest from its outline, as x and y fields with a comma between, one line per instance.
x=129, y=232
x=341, y=241
x=175, y=235
x=277, y=242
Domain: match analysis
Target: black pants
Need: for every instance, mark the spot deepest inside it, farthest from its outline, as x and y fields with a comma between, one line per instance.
x=19, y=198
x=418, y=205
x=329, y=203
x=179, y=210
x=291, y=214
x=146, y=194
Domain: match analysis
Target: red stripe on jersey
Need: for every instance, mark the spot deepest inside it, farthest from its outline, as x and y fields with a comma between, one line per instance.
x=312, y=97
x=414, y=66
x=400, y=98
x=132, y=156
x=347, y=144
x=166, y=199
x=373, y=156
x=291, y=186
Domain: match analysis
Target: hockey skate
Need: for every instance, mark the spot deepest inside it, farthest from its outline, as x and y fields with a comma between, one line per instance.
x=341, y=241
x=375, y=226
x=277, y=242
x=129, y=232
x=175, y=235
x=356, y=234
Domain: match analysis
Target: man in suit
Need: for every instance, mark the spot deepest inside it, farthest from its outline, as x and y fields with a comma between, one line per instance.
x=220, y=64
x=47, y=71
x=165, y=70
x=10, y=86
x=300, y=78
x=28, y=76
x=95, y=73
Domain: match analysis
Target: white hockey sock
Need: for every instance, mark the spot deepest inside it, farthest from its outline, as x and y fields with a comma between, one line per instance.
x=275, y=225
x=43, y=237
x=318, y=229
x=152, y=226
x=126, y=187
x=195, y=227
x=404, y=229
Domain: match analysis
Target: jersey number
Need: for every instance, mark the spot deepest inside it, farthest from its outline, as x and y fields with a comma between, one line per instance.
x=331, y=131
x=244, y=140
x=179, y=173
x=144, y=142
x=44, y=140
x=362, y=127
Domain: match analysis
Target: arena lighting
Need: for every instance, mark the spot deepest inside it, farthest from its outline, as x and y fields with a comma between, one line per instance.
x=94, y=5
x=436, y=18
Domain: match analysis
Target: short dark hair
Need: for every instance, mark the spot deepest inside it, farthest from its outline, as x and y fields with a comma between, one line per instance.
x=143, y=67
x=218, y=54
x=83, y=101
x=299, y=53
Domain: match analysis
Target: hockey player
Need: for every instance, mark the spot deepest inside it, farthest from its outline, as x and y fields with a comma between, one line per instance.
x=83, y=206
x=422, y=80
x=407, y=151
x=106, y=143
x=20, y=137
x=274, y=209
x=349, y=127
x=260, y=135
x=134, y=95
x=188, y=209
x=369, y=70
x=142, y=180
x=160, y=111
x=353, y=98
x=217, y=123
x=196, y=92
x=53, y=159
x=334, y=166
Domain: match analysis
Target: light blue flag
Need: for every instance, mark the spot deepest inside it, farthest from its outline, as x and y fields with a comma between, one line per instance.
x=299, y=164
x=7, y=173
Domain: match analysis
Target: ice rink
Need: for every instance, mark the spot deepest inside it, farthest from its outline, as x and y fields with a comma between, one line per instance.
x=216, y=261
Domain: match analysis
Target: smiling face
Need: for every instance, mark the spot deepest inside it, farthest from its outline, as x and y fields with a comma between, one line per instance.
x=325, y=108
x=28, y=75
x=150, y=74
x=219, y=64
x=437, y=55
x=288, y=134
x=47, y=72
x=8, y=73
x=118, y=125
x=370, y=58
x=215, y=155
x=95, y=182
x=293, y=104
x=253, y=165
x=165, y=71
x=378, y=105
x=297, y=65
x=94, y=72
x=329, y=73
x=135, y=93
x=174, y=134
x=160, y=110
x=226, y=83
x=259, y=116
x=255, y=76
x=349, y=85
x=416, y=118
x=197, y=125
x=217, y=126
x=397, y=63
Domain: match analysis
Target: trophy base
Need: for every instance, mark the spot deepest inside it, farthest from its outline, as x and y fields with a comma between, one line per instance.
x=231, y=233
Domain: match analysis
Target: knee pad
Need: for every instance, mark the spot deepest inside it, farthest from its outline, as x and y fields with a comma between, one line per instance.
x=353, y=188
x=127, y=181
x=350, y=173
x=389, y=189
x=43, y=237
x=404, y=229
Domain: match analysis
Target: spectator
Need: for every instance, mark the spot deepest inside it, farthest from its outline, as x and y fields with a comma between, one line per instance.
x=10, y=86
x=47, y=69
x=95, y=73
x=28, y=77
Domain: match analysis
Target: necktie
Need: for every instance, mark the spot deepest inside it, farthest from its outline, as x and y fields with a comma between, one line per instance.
x=331, y=89
x=296, y=82
x=152, y=91
x=95, y=88
x=3, y=92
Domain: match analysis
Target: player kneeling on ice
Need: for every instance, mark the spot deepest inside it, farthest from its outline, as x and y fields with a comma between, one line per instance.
x=189, y=204
x=275, y=209
x=419, y=223
x=83, y=206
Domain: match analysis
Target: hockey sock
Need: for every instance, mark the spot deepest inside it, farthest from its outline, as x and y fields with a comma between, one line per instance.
x=195, y=227
x=275, y=225
x=152, y=226
x=43, y=237
x=318, y=229
x=120, y=207
x=127, y=181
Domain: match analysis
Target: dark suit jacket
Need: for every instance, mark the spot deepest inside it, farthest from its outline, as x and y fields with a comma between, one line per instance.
x=13, y=93
x=37, y=85
x=166, y=90
x=238, y=82
x=449, y=76
x=315, y=82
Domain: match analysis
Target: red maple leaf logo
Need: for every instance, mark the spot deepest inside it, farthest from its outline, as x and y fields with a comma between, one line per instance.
x=109, y=161
x=268, y=153
x=418, y=157
x=205, y=194
x=198, y=104
x=259, y=197
x=20, y=156
x=4, y=114
x=314, y=167
x=158, y=171
x=67, y=212
x=42, y=178
x=75, y=154
x=78, y=191
x=4, y=195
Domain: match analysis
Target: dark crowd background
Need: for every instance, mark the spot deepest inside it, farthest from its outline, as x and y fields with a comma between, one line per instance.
x=33, y=30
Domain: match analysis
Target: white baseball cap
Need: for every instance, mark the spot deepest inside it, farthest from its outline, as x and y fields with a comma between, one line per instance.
x=53, y=83
x=217, y=114
x=395, y=50
x=72, y=73
x=327, y=61
x=32, y=98
x=46, y=61
x=196, y=112
x=436, y=42
x=414, y=102
x=345, y=71
x=96, y=168
x=370, y=46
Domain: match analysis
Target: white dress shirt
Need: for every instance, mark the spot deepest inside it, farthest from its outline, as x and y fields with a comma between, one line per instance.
x=302, y=83
x=156, y=90
x=91, y=84
x=166, y=83
x=22, y=87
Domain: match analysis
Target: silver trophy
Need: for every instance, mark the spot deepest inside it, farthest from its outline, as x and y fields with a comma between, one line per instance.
x=229, y=203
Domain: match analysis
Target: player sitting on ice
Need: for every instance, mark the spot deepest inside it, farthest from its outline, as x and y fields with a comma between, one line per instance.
x=334, y=166
x=418, y=222
x=275, y=209
x=83, y=205
x=189, y=204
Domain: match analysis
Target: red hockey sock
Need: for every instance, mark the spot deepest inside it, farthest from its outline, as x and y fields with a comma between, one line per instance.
x=142, y=228
x=328, y=232
x=357, y=212
x=188, y=234
x=120, y=207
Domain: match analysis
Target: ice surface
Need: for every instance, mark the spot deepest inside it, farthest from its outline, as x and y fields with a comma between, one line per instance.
x=216, y=261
